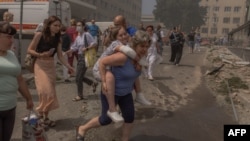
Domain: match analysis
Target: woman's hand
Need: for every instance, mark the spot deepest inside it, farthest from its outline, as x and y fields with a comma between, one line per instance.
x=29, y=104
x=71, y=69
x=69, y=53
x=84, y=49
x=46, y=54
x=138, y=67
x=137, y=58
x=24, y=91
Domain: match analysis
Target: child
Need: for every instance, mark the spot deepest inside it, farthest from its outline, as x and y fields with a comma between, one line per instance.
x=120, y=38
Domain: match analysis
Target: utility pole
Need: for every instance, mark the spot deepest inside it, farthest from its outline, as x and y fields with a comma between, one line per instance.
x=20, y=31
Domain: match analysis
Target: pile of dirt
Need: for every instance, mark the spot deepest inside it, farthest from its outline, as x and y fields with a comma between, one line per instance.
x=230, y=84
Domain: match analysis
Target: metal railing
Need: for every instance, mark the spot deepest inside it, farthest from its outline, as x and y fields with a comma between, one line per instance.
x=239, y=37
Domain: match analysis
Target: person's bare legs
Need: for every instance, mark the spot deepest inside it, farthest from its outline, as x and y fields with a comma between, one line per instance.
x=127, y=128
x=93, y=123
x=110, y=95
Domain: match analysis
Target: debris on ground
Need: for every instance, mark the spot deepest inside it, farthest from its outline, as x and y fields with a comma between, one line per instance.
x=234, y=70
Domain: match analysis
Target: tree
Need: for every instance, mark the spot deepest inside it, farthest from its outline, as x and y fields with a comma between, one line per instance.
x=186, y=13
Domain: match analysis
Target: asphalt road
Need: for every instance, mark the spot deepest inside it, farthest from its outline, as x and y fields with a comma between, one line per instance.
x=183, y=109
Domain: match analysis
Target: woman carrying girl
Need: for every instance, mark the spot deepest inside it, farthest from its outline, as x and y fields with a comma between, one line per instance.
x=126, y=72
x=119, y=39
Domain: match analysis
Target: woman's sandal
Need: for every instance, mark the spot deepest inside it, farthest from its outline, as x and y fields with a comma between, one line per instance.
x=78, y=136
x=49, y=122
x=77, y=98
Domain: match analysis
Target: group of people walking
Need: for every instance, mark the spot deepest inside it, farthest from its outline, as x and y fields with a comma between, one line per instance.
x=129, y=52
x=178, y=40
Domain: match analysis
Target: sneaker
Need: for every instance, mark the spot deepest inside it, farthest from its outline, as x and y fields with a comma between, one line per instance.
x=115, y=116
x=150, y=78
x=141, y=99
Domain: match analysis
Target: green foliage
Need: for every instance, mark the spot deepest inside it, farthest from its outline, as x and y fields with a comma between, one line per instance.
x=234, y=83
x=186, y=13
x=237, y=83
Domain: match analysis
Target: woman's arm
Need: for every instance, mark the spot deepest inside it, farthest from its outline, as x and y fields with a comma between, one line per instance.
x=74, y=46
x=61, y=58
x=23, y=89
x=116, y=59
x=128, y=51
x=137, y=85
x=33, y=44
x=90, y=41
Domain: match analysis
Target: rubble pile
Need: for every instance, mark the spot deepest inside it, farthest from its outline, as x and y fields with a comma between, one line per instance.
x=226, y=67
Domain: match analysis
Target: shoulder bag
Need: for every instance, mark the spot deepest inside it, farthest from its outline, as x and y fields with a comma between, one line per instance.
x=89, y=55
x=30, y=60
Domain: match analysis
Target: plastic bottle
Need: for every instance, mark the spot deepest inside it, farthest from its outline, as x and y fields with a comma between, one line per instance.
x=33, y=119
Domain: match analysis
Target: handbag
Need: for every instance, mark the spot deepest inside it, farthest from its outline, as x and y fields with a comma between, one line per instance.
x=89, y=55
x=29, y=62
x=32, y=129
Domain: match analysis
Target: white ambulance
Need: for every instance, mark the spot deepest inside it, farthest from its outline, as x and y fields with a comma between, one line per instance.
x=34, y=13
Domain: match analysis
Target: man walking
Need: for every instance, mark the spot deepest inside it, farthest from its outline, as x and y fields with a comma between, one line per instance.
x=95, y=31
x=175, y=40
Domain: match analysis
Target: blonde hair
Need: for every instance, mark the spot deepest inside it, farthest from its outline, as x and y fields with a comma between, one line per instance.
x=140, y=37
x=8, y=16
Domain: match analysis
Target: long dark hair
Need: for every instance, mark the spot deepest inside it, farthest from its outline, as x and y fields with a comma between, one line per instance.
x=46, y=30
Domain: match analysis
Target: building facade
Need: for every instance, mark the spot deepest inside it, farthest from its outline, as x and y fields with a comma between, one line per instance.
x=106, y=10
x=222, y=17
